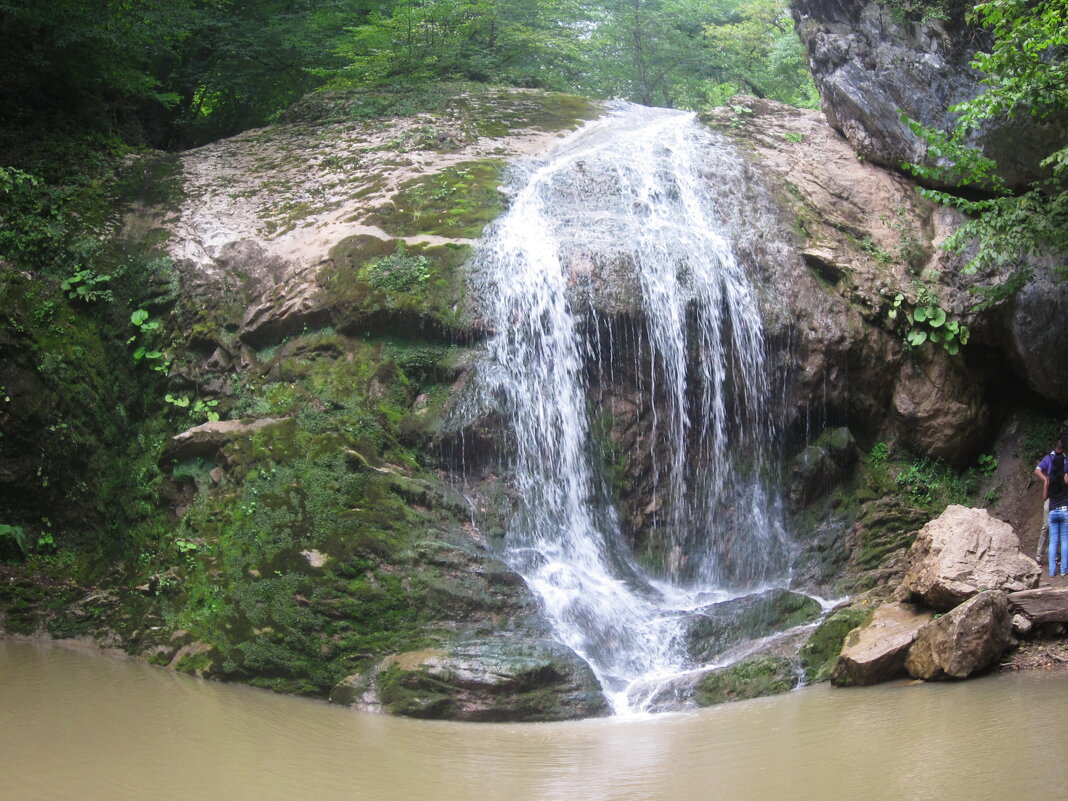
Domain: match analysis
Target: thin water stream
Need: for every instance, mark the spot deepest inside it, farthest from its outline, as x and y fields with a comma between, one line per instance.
x=83, y=726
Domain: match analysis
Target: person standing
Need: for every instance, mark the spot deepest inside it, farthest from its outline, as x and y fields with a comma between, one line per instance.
x=1051, y=471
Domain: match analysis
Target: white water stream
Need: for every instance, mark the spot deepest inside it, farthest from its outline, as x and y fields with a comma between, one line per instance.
x=651, y=192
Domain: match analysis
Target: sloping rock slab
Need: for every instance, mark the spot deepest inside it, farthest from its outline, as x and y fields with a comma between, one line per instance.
x=1045, y=605
x=963, y=552
x=209, y=438
x=494, y=679
x=716, y=627
x=876, y=651
x=964, y=641
x=820, y=652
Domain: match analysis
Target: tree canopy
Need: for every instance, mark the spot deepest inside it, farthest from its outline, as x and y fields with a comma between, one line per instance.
x=183, y=72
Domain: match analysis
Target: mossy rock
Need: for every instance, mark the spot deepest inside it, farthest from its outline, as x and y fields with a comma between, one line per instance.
x=716, y=627
x=820, y=652
x=751, y=678
x=884, y=527
x=383, y=287
x=491, y=679
x=456, y=202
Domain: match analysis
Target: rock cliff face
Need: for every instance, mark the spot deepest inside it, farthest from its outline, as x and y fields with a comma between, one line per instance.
x=336, y=532
x=872, y=63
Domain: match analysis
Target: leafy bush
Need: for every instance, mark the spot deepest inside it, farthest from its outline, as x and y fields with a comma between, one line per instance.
x=12, y=542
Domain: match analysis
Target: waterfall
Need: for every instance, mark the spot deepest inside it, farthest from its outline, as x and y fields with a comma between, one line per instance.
x=631, y=218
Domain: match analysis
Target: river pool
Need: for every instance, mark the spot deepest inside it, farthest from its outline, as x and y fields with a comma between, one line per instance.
x=80, y=725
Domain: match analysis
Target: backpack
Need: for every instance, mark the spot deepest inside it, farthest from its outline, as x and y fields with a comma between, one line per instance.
x=1056, y=475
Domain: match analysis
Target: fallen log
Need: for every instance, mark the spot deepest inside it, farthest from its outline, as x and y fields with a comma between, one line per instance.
x=1044, y=605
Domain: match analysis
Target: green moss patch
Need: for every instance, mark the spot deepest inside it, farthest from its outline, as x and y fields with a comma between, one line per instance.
x=381, y=287
x=751, y=678
x=457, y=202
x=819, y=654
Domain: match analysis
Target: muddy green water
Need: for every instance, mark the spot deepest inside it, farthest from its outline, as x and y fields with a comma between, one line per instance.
x=83, y=726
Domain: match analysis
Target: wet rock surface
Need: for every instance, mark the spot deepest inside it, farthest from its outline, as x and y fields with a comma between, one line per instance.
x=502, y=679
x=712, y=629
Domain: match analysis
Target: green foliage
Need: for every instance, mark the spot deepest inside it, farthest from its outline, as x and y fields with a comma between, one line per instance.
x=924, y=11
x=1025, y=73
x=12, y=542
x=148, y=330
x=926, y=321
x=88, y=79
x=694, y=53
x=879, y=452
x=88, y=286
x=931, y=483
x=528, y=44
x=988, y=464
x=199, y=409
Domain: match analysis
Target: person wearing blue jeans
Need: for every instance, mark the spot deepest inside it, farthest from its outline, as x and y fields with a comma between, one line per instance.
x=1058, y=534
x=1051, y=471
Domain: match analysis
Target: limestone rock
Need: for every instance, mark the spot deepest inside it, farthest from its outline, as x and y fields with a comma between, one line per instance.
x=493, y=679
x=208, y=438
x=962, y=552
x=1043, y=605
x=964, y=641
x=938, y=408
x=1033, y=339
x=1021, y=626
x=870, y=65
x=820, y=653
x=876, y=651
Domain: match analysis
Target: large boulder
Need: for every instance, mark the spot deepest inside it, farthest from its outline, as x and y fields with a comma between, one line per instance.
x=876, y=651
x=963, y=552
x=871, y=62
x=494, y=679
x=1033, y=338
x=964, y=641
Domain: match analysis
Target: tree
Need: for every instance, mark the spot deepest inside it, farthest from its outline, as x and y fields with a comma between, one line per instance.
x=527, y=44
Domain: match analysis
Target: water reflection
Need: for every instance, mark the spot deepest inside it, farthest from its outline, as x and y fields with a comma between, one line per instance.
x=80, y=725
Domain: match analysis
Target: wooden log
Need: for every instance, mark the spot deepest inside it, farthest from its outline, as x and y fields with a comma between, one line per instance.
x=1044, y=605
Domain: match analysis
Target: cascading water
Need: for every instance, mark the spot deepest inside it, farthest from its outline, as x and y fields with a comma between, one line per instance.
x=638, y=189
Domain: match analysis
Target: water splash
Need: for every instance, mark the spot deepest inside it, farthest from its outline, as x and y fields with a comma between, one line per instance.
x=627, y=217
